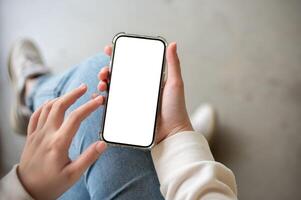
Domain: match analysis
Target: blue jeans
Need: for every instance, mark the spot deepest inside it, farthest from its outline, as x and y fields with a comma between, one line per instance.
x=119, y=173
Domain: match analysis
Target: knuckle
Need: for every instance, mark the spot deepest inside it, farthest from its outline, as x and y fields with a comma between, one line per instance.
x=74, y=117
x=55, y=147
x=48, y=106
x=59, y=105
x=47, y=127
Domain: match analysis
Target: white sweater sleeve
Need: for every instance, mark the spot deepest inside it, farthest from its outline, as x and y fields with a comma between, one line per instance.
x=186, y=169
x=11, y=187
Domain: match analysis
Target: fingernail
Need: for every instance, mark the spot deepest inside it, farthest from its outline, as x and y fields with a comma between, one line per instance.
x=176, y=46
x=100, y=146
x=98, y=99
x=82, y=86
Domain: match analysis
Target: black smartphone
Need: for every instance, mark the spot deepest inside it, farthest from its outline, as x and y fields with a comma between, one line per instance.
x=136, y=82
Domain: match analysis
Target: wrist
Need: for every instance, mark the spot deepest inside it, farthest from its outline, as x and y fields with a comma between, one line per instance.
x=186, y=126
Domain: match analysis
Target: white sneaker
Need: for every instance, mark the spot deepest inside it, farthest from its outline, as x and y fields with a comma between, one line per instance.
x=203, y=120
x=25, y=62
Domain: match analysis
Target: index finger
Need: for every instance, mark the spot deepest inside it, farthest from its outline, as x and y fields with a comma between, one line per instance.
x=57, y=113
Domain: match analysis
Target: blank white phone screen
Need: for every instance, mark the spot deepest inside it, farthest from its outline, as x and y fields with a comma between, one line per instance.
x=134, y=91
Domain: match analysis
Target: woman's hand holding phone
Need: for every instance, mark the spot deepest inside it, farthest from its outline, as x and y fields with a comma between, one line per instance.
x=45, y=169
x=173, y=117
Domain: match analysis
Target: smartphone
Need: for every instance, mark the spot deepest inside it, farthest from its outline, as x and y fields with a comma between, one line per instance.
x=136, y=81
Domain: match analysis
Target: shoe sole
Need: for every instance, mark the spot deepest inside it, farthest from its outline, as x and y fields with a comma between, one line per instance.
x=16, y=121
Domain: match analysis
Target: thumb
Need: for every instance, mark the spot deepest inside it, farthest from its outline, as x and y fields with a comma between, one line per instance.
x=173, y=62
x=79, y=166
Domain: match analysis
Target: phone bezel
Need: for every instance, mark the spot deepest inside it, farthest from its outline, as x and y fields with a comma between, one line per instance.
x=161, y=84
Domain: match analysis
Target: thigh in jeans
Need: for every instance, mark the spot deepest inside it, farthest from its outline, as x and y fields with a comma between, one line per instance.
x=120, y=173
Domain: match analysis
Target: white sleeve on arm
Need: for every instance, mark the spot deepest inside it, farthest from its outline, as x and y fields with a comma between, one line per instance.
x=11, y=187
x=186, y=169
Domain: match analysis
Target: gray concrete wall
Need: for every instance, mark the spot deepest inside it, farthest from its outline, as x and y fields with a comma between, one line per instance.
x=244, y=57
